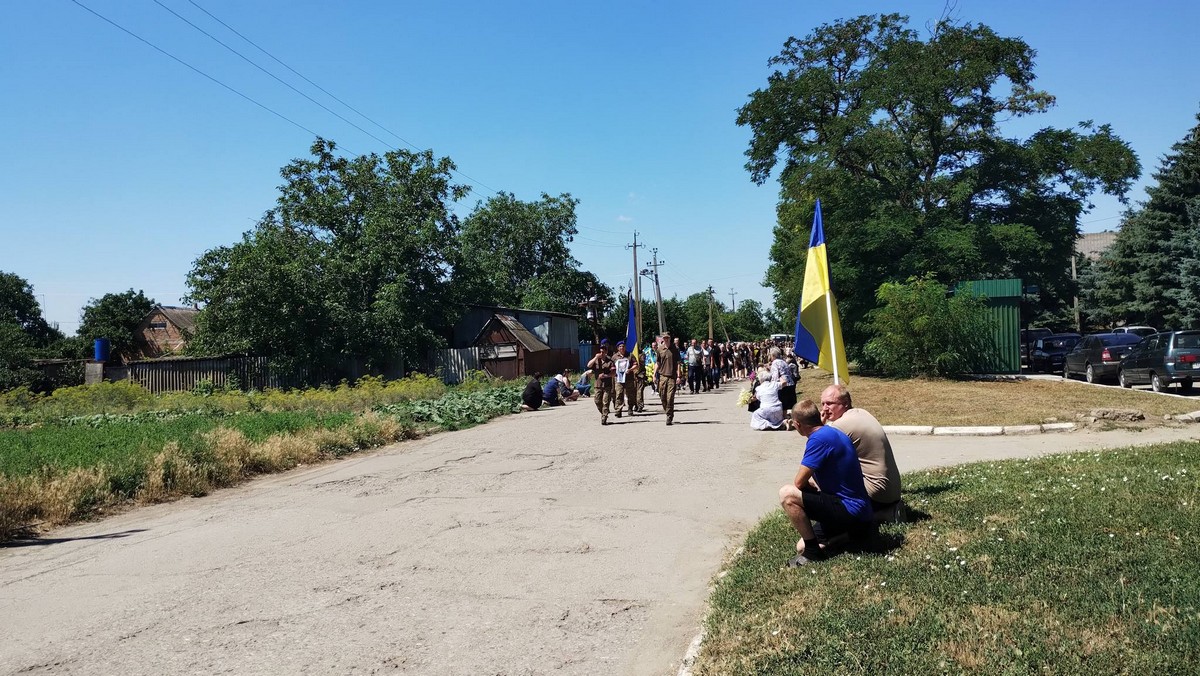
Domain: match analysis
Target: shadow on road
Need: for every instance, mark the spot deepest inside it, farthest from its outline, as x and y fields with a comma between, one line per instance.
x=34, y=541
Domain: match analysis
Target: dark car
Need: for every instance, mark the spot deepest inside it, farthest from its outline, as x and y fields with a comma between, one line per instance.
x=1163, y=359
x=1098, y=357
x=1028, y=338
x=1048, y=353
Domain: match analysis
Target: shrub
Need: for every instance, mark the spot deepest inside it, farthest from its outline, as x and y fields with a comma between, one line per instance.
x=921, y=330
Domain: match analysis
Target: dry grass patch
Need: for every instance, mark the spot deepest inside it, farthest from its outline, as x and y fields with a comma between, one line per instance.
x=971, y=402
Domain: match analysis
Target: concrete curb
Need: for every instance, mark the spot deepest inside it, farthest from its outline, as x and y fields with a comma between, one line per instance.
x=996, y=430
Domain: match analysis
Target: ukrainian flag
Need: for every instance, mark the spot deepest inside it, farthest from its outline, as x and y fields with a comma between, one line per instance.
x=818, y=330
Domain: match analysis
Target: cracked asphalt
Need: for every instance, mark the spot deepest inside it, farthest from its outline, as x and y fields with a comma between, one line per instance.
x=539, y=543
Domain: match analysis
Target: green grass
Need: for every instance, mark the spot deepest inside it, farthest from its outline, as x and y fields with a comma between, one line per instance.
x=1081, y=564
x=127, y=444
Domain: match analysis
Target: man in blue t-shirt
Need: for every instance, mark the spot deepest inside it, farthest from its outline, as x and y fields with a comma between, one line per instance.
x=828, y=488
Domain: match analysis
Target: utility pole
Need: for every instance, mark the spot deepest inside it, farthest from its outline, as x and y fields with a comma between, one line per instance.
x=733, y=300
x=652, y=271
x=637, y=293
x=710, y=304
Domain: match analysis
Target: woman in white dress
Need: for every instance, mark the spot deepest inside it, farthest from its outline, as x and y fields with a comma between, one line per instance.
x=769, y=414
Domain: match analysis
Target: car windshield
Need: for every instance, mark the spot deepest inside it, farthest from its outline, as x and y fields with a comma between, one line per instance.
x=1187, y=340
x=1121, y=339
x=1060, y=343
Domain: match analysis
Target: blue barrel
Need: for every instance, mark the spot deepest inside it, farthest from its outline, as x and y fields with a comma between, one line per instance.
x=102, y=349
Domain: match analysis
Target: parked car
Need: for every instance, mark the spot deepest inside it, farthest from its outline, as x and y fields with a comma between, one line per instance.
x=1098, y=357
x=1139, y=331
x=1048, y=353
x=1162, y=360
x=1028, y=338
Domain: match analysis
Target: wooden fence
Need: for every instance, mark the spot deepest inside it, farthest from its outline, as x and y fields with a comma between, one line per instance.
x=178, y=374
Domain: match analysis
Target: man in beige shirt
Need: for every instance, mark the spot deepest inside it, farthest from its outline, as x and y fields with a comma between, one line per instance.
x=880, y=474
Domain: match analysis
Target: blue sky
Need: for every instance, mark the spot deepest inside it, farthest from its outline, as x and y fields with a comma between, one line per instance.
x=122, y=166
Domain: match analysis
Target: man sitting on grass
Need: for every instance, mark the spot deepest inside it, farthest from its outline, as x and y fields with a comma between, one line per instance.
x=880, y=472
x=828, y=487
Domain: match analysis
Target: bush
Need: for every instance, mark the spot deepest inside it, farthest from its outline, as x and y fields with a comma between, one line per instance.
x=921, y=330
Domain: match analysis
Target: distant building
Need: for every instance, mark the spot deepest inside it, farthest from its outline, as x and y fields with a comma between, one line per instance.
x=165, y=331
x=1092, y=244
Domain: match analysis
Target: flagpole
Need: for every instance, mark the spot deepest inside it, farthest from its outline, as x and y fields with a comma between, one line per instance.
x=832, y=336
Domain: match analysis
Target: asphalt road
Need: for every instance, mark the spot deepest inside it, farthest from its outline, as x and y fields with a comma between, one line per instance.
x=538, y=543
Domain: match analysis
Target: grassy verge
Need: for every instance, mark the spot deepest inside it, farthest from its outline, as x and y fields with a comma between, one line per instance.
x=1083, y=563
x=58, y=470
x=970, y=402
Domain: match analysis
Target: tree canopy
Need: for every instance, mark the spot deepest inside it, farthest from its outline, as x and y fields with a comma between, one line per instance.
x=115, y=316
x=355, y=260
x=900, y=138
x=1151, y=273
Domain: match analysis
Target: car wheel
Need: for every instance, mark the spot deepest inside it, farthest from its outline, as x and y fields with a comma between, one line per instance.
x=1089, y=374
x=1156, y=383
x=1121, y=379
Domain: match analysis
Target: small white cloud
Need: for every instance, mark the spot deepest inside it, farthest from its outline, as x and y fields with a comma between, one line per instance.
x=625, y=219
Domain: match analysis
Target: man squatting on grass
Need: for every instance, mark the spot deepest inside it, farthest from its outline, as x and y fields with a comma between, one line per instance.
x=880, y=473
x=828, y=487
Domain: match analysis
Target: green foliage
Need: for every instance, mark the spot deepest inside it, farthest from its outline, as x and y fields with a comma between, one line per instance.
x=18, y=304
x=115, y=316
x=354, y=260
x=900, y=138
x=1005, y=569
x=919, y=331
x=1150, y=273
x=512, y=248
x=459, y=409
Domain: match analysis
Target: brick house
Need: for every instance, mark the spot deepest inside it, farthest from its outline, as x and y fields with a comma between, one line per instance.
x=164, y=331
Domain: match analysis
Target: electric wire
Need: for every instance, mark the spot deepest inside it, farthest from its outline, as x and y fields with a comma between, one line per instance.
x=322, y=89
x=300, y=75
x=197, y=70
x=276, y=77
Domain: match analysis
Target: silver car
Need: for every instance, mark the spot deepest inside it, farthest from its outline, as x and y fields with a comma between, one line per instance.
x=1162, y=360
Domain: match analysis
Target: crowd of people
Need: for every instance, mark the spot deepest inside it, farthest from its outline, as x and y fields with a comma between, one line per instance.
x=848, y=480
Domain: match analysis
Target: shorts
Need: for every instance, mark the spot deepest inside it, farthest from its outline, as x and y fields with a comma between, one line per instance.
x=832, y=513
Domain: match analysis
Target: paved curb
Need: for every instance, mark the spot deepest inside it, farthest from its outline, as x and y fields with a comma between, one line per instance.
x=1010, y=430
x=994, y=430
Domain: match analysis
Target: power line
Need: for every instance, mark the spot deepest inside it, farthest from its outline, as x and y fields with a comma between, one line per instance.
x=195, y=69
x=243, y=57
x=276, y=77
x=299, y=75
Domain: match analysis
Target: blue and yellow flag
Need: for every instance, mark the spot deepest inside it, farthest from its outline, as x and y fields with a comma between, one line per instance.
x=631, y=336
x=818, y=330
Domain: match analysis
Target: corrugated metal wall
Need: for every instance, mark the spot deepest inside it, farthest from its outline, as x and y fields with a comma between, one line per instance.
x=1003, y=298
x=182, y=375
x=452, y=365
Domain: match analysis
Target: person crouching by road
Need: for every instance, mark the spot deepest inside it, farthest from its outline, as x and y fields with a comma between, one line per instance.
x=583, y=384
x=603, y=367
x=880, y=472
x=626, y=379
x=828, y=487
x=531, y=397
x=565, y=389
x=551, y=394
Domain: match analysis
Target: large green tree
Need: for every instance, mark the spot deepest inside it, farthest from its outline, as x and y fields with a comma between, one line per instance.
x=354, y=262
x=900, y=138
x=24, y=333
x=115, y=316
x=1151, y=273
x=514, y=249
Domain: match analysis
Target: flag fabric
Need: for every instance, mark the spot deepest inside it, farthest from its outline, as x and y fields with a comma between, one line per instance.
x=631, y=336
x=818, y=330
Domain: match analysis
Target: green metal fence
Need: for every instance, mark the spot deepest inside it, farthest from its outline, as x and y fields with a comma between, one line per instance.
x=1003, y=297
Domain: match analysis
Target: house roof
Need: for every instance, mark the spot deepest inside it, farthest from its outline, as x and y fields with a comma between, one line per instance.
x=524, y=336
x=1092, y=244
x=509, y=310
x=183, y=318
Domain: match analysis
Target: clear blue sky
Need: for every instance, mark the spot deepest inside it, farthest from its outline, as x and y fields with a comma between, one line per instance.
x=122, y=166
